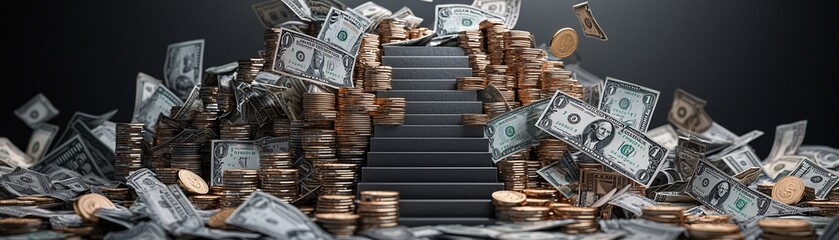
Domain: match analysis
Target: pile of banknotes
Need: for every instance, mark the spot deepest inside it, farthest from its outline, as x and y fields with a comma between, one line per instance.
x=271, y=146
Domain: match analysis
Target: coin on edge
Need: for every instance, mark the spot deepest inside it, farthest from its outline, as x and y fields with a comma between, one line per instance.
x=191, y=182
x=564, y=42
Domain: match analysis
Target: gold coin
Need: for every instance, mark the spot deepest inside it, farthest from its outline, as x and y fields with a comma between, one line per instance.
x=788, y=190
x=191, y=182
x=509, y=197
x=217, y=220
x=564, y=42
x=87, y=205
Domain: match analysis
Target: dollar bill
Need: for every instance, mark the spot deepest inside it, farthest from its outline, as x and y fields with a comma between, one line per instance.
x=272, y=144
x=299, y=8
x=106, y=133
x=603, y=138
x=561, y=174
x=313, y=60
x=639, y=229
x=275, y=218
x=89, y=120
x=37, y=110
x=191, y=104
x=737, y=143
x=633, y=104
x=143, y=230
x=406, y=14
x=688, y=153
x=72, y=154
x=687, y=112
x=41, y=139
x=374, y=12
x=742, y=159
x=453, y=18
x=816, y=177
x=716, y=190
x=232, y=154
x=183, y=66
x=492, y=94
x=168, y=205
x=319, y=9
x=344, y=29
x=25, y=182
x=146, y=85
x=13, y=156
x=515, y=130
x=748, y=176
x=161, y=102
x=101, y=153
x=673, y=197
x=292, y=96
x=507, y=9
x=782, y=166
x=587, y=23
x=632, y=202
x=272, y=13
x=664, y=135
x=788, y=137
x=826, y=157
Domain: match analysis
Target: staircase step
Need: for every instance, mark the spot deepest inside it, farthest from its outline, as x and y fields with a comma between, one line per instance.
x=430, y=95
x=429, y=174
x=394, y=144
x=428, y=131
x=446, y=208
x=416, y=222
x=426, y=61
x=431, y=73
x=423, y=51
x=443, y=107
x=429, y=159
x=435, y=190
x=433, y=119
x=423, y=84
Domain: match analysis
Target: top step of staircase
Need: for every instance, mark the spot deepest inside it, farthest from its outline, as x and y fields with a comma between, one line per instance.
x=423, y=51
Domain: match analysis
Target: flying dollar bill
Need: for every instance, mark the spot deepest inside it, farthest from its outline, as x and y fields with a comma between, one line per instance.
x=232, y=154
x=561, y=174
x=161, y=102
x=319, y=9
x=91, y=121
x=72, y=154
x=183, y=66
x=825, y=156
x=41, y=139
x=313, y=60
x=782, y=166
x=717, y=190
x=508, y=9
x=453, y=18
x=633, y=104
x=299, y=8
x=742, y=159
x=603, y=138
x=816, y=177
x=788, y=137
x=37, y=110
x=515, y=130
x=374, y=12
x=664, y=135
x=344, y=29
x=688, y=112
x=272, y=13
x=406, y=14
x=13, y=156
x=587, y=22
x=275, y=218
x=146, y=85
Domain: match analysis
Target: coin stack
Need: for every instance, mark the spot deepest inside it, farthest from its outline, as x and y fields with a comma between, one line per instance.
x=353, y=126
x=414, y=33
x=238, y=184
x=703, y=231
x=226, y=103
x=786, y=229
x=529, y=213
x=276, y=160
x=478, y=62
x=329, y=203
x=338, y=178
x=470, y=83
x=281, y=127
x=378, y=209
x=497, y=76
x=319, y=109
x=826, y=208
x=129, y=149
x=338, y=224
x=248, y=68
x=540, y=196
x=120, y=196
x=586, y=219
x=513, y=172
x=368, y=53
x=718, y=219
x=765, y=188
x=474, y=119
x=217, y=220
x=281, y=183
x=216, y=190
x=392, y=30
x=664, y=214
x=493, y=109
x=494, y=30
x=187, y=156
x=533, y=178
x=272, y=37
x=205, y=202
x=470, y=41
x=319, y=145
x=295, y=138
x=377, y=77
x=391, y=111
x=550, y=150
x=236, y=131
x=16, y=225
x=167, y=176
x=45, y=200
x=504, y=201
x=205, y=120
x=86, y=206
x=164, y=132
x=554, y=79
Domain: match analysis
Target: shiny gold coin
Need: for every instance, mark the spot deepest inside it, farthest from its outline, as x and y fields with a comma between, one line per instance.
x=509, y=197
x=564, y=42
x=217, y=220
x=87, y=205
x=788, y=190
x=192, y=183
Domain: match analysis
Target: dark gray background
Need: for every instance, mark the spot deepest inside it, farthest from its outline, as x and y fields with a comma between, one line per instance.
x=757, y=63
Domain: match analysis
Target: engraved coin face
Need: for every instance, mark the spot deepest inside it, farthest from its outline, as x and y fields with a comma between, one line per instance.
x=788, y=190
x=564, y=42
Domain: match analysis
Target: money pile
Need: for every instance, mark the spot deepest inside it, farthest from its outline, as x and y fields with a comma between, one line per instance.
x=353, y=126
x=392, y=30
x=471, y=41
x=276, y=160
x=551, y=150
x=786, y=229
x=391, y=111
x=237, y=185
x=541, y=196
x=205, y=202
x=187, y=156
x=129, y=148
x=338, y=178
x=248, y=68
x=702, y=231
x=236, y=131
x=164, y=132
x=470, y=83
x=664, y=214
x=330, y=203
x=586, y=219
x=378, y=209
x=478, y=61
x=280, y=183
x=504, y=201
x=555, y=78
x=377, y=77
x=338, y=224
x=474, y=119
x=368, y=53
x=281, y=128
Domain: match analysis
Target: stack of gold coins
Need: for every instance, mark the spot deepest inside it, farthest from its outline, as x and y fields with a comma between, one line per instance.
x=555, y=207
x=470, y=41
x=295, y=138
x=493, y=109
x=338, y=224
x=414, y=33
x=391, y=111
x=494, y=30
x=187, y=156
x=368, y=52
x=765, y=188
x=120, y=196
x=513, y=173
x=129, y=149
x=216, y=190
x=329, y=203
x=280, y=183
x=718, y=219
x=664, y=214
x=504, y=200
x=809, y=194
x=319, y=144
x=703, y=231
x=163, y=133
x=248, y=68
x=392, y=30
x=238, y=185
x=167, y=176
x=281, y=160
x=226, y=103
x=470, y=83
x=16, y=225
x=474, y=119
x=533, y=178
x=529, y=213
x=319, y=109
x=826, y=208
x=586, y=217
x=788, y=190
x=17, y=202
x=205, y=202
x=478, y=63
x=786, y=229
x=281, y=127
x=338, y=178
x=205, y=120
x=553, y=79
x=540, y=196
x=378, y=209
x=208, y=95
x=377, y=77
x=308, y=210
x=353, y=126
x=272, y=37
x=497, y=75
x=86, y=206
x=191, y=183
x=236, y=131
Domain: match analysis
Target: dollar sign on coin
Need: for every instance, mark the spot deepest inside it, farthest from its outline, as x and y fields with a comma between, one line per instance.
x=564, y=42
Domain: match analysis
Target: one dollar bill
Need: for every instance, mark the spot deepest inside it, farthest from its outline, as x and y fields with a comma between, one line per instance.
x=453, y=18
x=603, y=137
x=514, y=131
x=232, y=154
x=632, y=103
x=344, y=29
x=313, y=60
x=816, y=177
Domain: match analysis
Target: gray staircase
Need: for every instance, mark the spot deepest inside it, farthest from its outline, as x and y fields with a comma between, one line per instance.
x=442, y=169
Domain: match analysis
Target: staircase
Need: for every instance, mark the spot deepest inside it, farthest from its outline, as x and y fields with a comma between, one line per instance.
x=442, y=169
